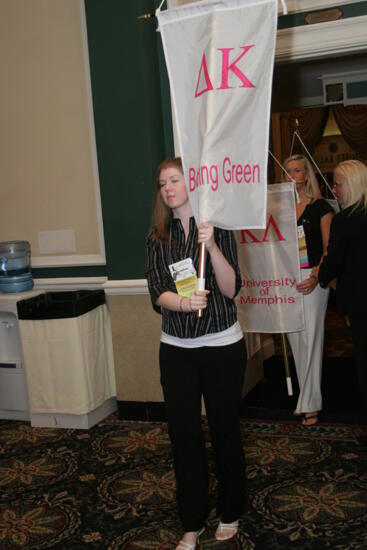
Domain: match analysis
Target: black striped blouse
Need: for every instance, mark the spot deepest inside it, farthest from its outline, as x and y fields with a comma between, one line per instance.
x=221, y=312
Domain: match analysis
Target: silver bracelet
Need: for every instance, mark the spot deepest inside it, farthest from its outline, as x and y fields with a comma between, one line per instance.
x=180, y=305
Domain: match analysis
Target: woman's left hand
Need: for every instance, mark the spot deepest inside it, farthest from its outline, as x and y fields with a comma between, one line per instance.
x=308, y=285
x=206, y=235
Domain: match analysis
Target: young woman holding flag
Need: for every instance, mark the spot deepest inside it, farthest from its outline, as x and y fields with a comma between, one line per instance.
x=200, y=356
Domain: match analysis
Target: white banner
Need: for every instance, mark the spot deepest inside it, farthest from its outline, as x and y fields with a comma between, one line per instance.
x=269, y=263
x=220, y=57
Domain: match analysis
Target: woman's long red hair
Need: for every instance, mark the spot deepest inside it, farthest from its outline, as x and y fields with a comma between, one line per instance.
x=161, y=212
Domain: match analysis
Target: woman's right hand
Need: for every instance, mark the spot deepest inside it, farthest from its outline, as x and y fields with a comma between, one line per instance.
x=198, y=300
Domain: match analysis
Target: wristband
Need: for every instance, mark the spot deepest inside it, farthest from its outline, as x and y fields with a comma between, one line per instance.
x=180, y=304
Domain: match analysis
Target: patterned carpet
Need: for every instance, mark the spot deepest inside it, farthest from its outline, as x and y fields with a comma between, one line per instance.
x=113, y=487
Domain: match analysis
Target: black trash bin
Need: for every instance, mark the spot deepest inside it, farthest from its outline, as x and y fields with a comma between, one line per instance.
x=60, y=305
x=68, y=358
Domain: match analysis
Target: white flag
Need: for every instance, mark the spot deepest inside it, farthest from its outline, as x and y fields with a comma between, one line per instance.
x=220, y=57
x=269, y=261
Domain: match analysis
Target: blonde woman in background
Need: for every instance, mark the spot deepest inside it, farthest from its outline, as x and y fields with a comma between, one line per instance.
x=347, y=261
x=314, y=215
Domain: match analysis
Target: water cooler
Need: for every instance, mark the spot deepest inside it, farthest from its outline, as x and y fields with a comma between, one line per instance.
x=15, y=273
x=13, y=388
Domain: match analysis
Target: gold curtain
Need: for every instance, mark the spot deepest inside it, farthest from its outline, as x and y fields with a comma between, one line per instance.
x=352, y=122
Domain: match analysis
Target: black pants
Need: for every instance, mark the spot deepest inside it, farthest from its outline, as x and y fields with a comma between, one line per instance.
x=216, y=373
x=358, y=325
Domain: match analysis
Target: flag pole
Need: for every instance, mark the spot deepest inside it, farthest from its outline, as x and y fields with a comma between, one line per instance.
x=201, y=273
x=286, y=365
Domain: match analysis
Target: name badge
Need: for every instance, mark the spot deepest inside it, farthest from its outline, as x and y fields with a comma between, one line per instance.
x=185, y=277
x=302, y=247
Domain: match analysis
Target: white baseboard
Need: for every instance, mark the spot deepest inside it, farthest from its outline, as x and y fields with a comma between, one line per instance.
x=75, y=421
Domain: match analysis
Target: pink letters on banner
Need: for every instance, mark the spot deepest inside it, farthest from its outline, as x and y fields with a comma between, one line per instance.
x=254, y=239
x=203, y=175
x=204, y=68
x=232, y=173
x=240, y=173
x=226, y=67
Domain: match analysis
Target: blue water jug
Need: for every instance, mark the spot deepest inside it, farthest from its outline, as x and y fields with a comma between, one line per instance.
x=15, y=275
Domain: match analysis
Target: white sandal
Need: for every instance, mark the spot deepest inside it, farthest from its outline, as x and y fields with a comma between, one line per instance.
x=182, y=545
x=226, y=531
x=185, y=546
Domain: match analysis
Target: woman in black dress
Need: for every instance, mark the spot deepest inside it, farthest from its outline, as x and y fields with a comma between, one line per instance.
x=347, y=259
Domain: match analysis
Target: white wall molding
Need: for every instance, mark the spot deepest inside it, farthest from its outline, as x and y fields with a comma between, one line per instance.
x=293, y=6
x=317, y=40
x=69, y=283
x=68, y=261
x=128, y=287
x=92, y=133
x=322, y=39
x=296, y=6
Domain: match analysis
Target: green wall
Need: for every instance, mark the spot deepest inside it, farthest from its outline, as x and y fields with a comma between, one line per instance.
x=129, y=128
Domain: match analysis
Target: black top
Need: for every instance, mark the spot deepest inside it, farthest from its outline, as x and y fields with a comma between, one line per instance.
x=311, y=221
x=347, y=261
x=221, y=312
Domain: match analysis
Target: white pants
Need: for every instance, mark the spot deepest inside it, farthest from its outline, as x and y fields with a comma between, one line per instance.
x=307, y=348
